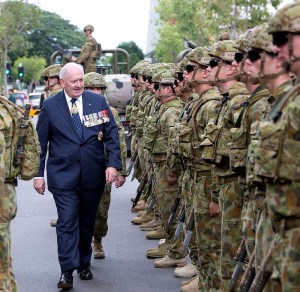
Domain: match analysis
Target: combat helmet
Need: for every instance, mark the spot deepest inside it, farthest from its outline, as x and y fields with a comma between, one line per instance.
x=94, y=80
x=286, y=19
x=224, y=35
x=258, y=38
x=164, y=77
x=88, y=27
x=51, y=71
x=199, y=55
x=223, y=52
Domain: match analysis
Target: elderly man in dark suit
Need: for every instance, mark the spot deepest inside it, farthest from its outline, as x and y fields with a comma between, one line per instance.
x=74, y=126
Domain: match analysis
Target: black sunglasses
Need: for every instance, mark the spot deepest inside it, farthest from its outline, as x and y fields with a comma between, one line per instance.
x=149, y=79
x=189, y=68
x=132, y=75
x=280, y=38
x=145, y=78
x=213, y=62
x=253, y=55
x=156, y=86
x=180, y=76
x=46, y=78
x=176, y=82
x=238, y=57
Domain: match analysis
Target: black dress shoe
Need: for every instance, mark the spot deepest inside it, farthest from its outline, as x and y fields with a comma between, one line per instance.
x=85, y=273
x=65, y=281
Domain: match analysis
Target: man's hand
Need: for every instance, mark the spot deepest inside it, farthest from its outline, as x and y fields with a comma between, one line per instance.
x=39, y=185
x=214, y=209
x=111, y=175
x=172, y=180
x=120, y=181
x=73, y=59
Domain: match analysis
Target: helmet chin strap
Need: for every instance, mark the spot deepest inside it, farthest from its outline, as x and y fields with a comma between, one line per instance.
x=263, y=78
x=50, y=86
x=235, y=77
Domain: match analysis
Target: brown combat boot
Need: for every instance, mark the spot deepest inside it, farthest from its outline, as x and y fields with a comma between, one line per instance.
x=98, y=249
x=158, y=233
x=159, y=252
x=145, y=218
x=153, y=224
x=140, y=206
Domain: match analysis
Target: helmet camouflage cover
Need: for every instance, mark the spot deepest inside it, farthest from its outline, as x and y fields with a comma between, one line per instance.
x=286, y=19
x=88, y=27
x=164, y=77
x=241, y=43
x=51, y=71
x=94, y=80
x=134, y=69
x=224, y=50
x=260, y=39
x=200, y=56
x=224, y=35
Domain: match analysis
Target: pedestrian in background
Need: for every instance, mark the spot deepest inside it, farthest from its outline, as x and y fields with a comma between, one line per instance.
x=11, y=96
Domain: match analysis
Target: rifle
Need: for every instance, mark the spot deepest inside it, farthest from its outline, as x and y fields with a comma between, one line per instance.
x=173, y=213
x=262, y=276
x=67, y=53
x=132, y=162
x=190, y=227
x=151, y=204
x=140, y=188
x=189, y=44
x=181, y=219
x=240, y=257
x=149, y=187
x=249, y=274
x=19, y=154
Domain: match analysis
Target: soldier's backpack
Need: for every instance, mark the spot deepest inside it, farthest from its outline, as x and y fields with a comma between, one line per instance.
x=30, y=162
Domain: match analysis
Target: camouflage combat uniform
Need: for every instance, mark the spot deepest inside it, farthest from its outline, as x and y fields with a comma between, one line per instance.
x=216, y=151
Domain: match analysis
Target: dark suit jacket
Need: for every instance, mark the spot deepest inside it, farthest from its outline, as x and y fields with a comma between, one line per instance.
x=68, y=156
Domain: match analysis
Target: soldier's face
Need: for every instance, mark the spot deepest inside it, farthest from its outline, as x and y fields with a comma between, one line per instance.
x=252, y=64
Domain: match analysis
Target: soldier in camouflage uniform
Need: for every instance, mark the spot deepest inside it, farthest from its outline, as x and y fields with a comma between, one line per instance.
x=165, y=188
x=51, y=78
x=95, y=82
x=262, y=66
x=205, y=250
x=10, y=122
x=277, y=156
x=90, y=52
x=225, y=187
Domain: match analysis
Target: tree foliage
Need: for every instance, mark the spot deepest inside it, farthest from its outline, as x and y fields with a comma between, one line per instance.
x=202, y=21
x=135, y=53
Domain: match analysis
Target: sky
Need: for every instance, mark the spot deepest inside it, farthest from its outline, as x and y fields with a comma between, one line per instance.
x=114, y=21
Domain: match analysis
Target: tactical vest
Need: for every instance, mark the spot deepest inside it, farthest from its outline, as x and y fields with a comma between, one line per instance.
x=277, y=153
x=238, y=146
x=29, y=165
x=217, y=135
x=154, y=142
x=189, y=140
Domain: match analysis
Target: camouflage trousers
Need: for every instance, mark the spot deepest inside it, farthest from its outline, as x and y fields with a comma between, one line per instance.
x=208, y=233
x=187, y=196
x=101, y=225
x=90, y=66
x=8, y=209
x=165, y=196
x=263, y=240
x=286, y=263
x=231, y=226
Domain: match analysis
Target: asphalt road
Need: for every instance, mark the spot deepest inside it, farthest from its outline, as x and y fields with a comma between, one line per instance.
x=125, y=268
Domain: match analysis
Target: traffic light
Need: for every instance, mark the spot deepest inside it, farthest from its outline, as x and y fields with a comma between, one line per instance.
x=21, y=72
x=9, y=77
x=8, y=69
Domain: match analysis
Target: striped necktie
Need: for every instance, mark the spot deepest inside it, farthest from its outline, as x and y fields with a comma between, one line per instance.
x=76, y=119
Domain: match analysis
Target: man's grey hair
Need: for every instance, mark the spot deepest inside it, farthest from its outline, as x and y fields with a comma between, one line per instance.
x=66, y=69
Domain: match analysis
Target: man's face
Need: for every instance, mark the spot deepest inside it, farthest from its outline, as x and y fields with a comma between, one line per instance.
x=73, y=83
x=212, y=69
x=280, y=40
x=252, y=64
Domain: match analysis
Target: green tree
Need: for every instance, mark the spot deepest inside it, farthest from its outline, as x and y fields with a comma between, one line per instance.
x=202, y=21
x=135, y=53
x=16, y=18
x=33, y=68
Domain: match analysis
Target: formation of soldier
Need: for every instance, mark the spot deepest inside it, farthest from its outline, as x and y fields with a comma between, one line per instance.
x=215, y=146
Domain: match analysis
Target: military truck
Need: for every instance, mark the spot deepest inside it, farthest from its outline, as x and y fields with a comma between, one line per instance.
x=119, y=90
